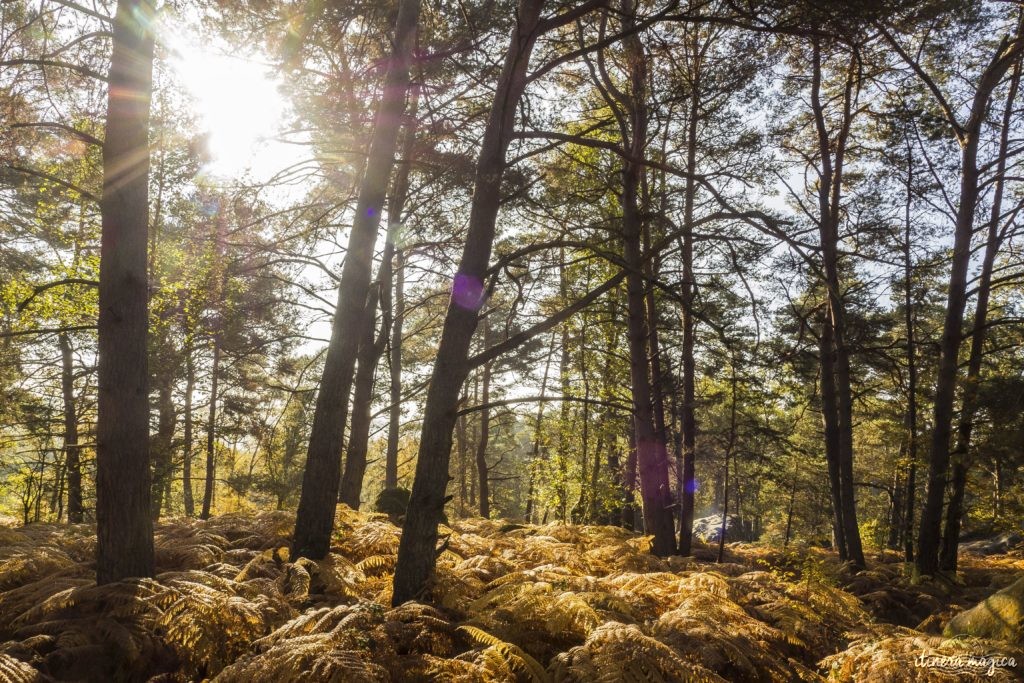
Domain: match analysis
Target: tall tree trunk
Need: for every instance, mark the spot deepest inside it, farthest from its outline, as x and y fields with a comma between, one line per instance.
x=729, y=446
x=72, y=450
x=911, y=415
x=688, y=409
x=396, y=210
x=538, y=421
x=314, y=520
x=186, y=466
x=164, y=442
x=969, y=136
x=831, y=435
x=370, y=350
x=652, y=453
x=965, y=424
x=629, y=511
x=481, y=444
x=123, y=523
x=829, y=196
x=416, y=552
x=211, y=431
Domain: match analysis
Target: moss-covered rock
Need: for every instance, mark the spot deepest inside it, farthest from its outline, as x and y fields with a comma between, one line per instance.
x=999, y=617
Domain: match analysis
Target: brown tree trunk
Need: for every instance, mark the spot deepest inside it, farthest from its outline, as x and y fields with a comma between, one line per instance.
x=72, y=450
x=396, y=209
x=829, y=193
x=186, y=466
x=927, y=561
x=123, y=523
x=416, y=553
x=164, y=442
x=831, y=436
x=211, y=432
x=965, y=424
x=687, y=409
x=481, y=444
x=629, y=512
x=370, y=350
x=535, y=455
x=314, y=520
x=652, y=452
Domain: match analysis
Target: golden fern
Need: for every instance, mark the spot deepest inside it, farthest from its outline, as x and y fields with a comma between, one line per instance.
x=512, y=655
x=15, y=671
x=621, y=653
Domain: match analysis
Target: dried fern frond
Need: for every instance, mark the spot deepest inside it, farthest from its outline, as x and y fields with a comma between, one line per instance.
x=512, y=655
x=307, y=658
x=211, y=628
x=15, y=671
x=621, y=653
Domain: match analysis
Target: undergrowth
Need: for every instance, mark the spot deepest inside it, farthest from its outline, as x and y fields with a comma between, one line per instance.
x=553, y=603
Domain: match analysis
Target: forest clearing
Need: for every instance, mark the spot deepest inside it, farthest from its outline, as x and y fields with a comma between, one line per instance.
x=511, y=340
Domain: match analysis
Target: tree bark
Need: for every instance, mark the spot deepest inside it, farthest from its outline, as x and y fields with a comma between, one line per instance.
x=72, y=450
x=211, y=431
x=416, y=552
x=186, y=466
x=163, y=444
x=123, y=523
x=965, y=423
x=314, y=520
x=652, y=453
x=370, y=350
x=969, y=136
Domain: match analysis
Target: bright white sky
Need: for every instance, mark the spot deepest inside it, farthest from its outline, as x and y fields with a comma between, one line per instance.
x=239, y=104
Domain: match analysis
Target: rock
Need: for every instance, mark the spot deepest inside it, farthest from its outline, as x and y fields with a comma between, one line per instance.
x=707, y=529
x=995, y=545
x=999, y=617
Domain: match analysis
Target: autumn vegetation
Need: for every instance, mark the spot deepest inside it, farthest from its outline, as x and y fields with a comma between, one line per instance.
x=576, y=340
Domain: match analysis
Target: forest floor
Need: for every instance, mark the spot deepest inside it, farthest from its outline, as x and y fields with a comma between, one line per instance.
x=509, y=603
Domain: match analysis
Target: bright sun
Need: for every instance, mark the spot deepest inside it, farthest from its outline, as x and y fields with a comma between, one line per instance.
x=239, y=105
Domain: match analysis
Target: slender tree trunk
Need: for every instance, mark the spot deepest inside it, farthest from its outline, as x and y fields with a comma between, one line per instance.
x=831, y=435
x=164, y=442
x=535, y=455
x=370, y=350
x=629, y=511
x=416, y=552
x=123, y=523
x=314, y=520
x=689, y=366
x=730, y=445
x=481, y=444
x=211, y=432
x=396, y=209
x=927, y=561
x=829, y=194
x=72, y=450
x=911, y=416
x=652, y=453
x=965, y=424
x=462, y=448
x=186, y=467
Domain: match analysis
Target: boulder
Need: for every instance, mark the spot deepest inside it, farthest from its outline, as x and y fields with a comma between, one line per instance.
x=998, y=617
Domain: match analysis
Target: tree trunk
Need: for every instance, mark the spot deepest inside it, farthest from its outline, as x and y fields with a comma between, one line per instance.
x=927, y=562
x=652, y=453
x=416, y=552
x=687, y=409
x=186, y=466
x=314, y=520
x=72, y=450
x=965, y=424
x=829, y=194
x=535, y=455
x=211, y=432
x=164, y=442
x=629, y=512
x=396, y=208
x=831, y=435
x=730, y=445
x=481, y=444
x=370, y=350
x=123, y=523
